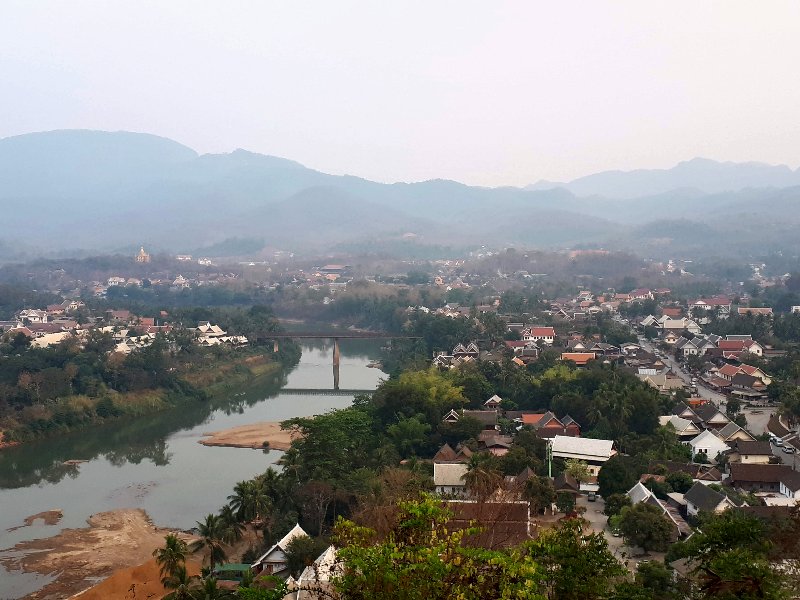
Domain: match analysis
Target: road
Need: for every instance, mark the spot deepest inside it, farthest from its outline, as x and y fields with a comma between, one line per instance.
x=598, y=523
x=702, y=390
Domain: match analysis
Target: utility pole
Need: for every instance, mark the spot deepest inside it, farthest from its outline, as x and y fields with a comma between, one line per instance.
x=550, y=459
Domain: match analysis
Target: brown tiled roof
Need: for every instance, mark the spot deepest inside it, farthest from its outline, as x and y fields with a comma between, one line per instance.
x=741, y=472
x=754, y=448
x=503, y=524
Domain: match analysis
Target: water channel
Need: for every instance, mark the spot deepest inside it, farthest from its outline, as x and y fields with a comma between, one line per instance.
x=156, y=463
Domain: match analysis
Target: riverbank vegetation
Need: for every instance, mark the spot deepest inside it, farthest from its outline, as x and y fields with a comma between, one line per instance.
x=82, y=381
x=359, y=478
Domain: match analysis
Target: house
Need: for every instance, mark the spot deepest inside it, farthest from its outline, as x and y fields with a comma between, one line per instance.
x=314, y=582
x=684, y=428
x=501, y=524
x=710, y=416
x=546, y=335
x=700, y=497
x=748, y=452
x=639, y=493
x=663, y=383
x=547, y=425
x=566, y=483
x=594, y=452
x=728, y=372
x=448, y=478
x=719, y=303
x=493, y=402
x=461, y=351
x=640, y=294
x=579, y=358
x=207, y=330
x=732, y=433
x=446, y=454
x=747, y=310
x=705, y=474
x=790, y=484
x=757, y=478
x=274, y=561
x=32, y=315
x=709, y=444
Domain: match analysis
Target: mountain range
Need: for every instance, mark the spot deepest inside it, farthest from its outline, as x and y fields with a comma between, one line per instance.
x=71, y=190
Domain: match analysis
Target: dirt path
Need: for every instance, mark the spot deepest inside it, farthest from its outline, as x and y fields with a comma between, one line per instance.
x=79, y=557
x=252, y=436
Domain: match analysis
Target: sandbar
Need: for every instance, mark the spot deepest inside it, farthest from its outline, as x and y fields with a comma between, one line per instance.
x=253, y=436
x=79, y=557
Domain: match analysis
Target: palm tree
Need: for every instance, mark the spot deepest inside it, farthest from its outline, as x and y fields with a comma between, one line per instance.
x=171, y=557
x=231, y=526
x=211, y=532
x=181, y=583
x=210, y=591
x=249, y=500
x=482, y=481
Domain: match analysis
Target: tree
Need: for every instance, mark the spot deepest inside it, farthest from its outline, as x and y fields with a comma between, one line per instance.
x=232, y=528
x=575, y=565
x=249, y=500
x=181, y=583
x=680, y=481
x=171, y=556
x=656, y=578
x=729, y=558
x=565, y=502
x=483, y=480
x=209, y=590
x=422, y=559
x=645, y=525
x=539, y=493
x=212, y=532
x=408, y=435
x=618, y=474
x=615, y=503
x=302, y=551
x=578, y=469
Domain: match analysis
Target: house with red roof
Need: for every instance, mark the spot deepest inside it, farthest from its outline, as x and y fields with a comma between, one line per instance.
x=546, y=335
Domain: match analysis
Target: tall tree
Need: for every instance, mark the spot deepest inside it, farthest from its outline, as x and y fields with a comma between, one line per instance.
x=171, y=557
x=212, y=532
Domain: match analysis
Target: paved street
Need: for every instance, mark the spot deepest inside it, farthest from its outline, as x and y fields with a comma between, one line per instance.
x=598, y=523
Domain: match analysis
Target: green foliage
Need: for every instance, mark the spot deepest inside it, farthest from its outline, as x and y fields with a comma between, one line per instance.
x=575, y=565
x=278, y=590
x=565, y=502
x=619, y=474
x=302, y=551
x=171, y=557
x=420, y=559
x=645, y=526
x=615, y=503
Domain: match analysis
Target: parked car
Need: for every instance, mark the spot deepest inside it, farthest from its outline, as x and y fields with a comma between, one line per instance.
x=592, y=497
x=788, y=449
x=778, y=442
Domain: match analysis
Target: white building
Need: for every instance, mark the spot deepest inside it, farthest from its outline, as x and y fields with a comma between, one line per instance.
x=593, y=452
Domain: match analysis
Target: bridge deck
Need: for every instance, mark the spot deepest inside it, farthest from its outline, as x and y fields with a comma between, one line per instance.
x=323, y=392
x=344, y=335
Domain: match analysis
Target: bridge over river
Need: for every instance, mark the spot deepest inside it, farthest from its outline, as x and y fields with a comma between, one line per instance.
x=335, y=336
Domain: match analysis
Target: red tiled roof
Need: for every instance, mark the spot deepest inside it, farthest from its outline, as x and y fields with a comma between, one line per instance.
x=579, y=358
x=543, y=331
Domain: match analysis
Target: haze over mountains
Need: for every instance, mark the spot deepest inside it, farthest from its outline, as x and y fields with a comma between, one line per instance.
x=102, y=191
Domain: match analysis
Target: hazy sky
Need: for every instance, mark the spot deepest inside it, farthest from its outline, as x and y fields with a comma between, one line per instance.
x=490, y=93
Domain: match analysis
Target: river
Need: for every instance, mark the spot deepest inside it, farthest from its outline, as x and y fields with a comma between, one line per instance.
x=156, y=463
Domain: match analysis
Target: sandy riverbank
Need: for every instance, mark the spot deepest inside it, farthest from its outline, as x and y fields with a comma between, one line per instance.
x=79, y=557
x=252, y=436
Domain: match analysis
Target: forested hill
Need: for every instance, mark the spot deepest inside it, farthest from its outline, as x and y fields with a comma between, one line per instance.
x=100, y=191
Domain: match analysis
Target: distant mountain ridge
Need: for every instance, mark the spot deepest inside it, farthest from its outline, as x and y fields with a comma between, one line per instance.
x=699, y=174
x=104, y=191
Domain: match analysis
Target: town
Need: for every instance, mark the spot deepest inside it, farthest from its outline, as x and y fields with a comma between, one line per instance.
x=643, y=414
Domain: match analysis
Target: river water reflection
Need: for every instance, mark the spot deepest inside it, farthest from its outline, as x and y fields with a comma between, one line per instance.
x=156, y=463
